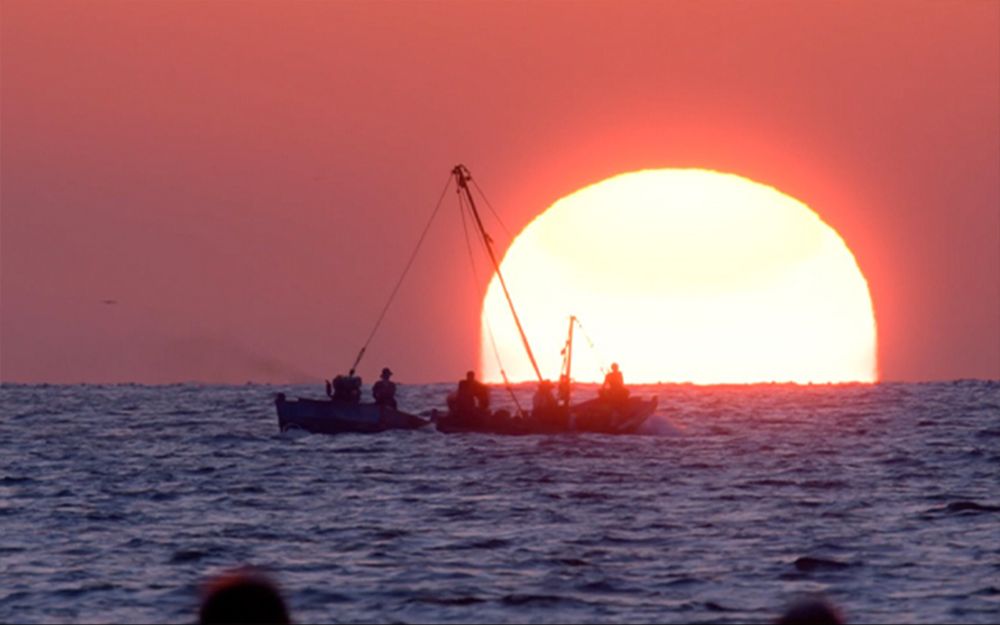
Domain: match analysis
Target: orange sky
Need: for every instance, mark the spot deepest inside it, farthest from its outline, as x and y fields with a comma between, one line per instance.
x=247, y=179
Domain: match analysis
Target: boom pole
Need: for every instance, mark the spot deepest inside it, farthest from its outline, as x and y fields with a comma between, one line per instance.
x=462, y=176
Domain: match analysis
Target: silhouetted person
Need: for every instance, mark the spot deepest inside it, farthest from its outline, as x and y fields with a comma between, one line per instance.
x=242, y=597
x=544, y=402
x=614, y=385
x=340, y=388
x=565, y=386
x=347, y=387
x=545, y=408
x=472, y=395
x=384, y=391
x=812, y=612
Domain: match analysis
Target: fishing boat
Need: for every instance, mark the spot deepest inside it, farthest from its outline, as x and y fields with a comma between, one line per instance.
x=603, y=414
x=333, y=416
x=594, y=416
x=609, y=413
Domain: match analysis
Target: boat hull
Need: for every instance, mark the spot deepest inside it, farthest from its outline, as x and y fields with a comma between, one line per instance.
x=595, y=416
x=326, y=416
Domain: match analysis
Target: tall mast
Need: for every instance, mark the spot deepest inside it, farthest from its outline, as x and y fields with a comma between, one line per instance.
x=462, y=176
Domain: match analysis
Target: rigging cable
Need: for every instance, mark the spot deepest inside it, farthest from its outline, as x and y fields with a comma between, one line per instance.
x=492, y=210
x=600, y=356
x=489, y=327
x=406, y=270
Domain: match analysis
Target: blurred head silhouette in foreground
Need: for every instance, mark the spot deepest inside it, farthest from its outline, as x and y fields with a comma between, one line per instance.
x=811, y=612
x=242, y=596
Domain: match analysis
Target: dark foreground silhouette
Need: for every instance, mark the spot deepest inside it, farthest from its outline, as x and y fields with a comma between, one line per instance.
x=248, y=596
x=243, y=596
x=812, y=612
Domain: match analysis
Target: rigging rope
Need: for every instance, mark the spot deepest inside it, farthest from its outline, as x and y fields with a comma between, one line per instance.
x=489, y=327
x=406, y=270
x=600, y=356
x=492, y=210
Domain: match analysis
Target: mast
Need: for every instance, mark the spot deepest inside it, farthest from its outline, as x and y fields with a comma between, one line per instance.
x=462, y=176
x=569, y=364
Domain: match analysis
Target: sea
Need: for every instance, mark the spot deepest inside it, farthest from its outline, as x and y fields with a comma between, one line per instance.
x=118, y=503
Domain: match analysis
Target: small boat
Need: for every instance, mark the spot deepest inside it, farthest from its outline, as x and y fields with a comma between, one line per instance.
x=332, y=416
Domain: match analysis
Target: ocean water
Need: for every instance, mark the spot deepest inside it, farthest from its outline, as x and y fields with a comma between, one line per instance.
x=118, y=502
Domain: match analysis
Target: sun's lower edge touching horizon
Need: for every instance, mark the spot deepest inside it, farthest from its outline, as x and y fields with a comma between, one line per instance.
x=683, y=275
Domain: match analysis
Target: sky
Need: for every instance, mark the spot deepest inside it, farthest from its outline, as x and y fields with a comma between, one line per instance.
x=228, y=191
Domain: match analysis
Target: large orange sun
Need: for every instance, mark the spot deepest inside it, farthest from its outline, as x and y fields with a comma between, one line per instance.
x=684, y=275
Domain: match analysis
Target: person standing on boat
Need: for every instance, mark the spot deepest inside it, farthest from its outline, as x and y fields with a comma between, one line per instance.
x=614, y=386
x=384, y=391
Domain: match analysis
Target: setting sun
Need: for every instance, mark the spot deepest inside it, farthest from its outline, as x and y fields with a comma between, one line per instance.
x=684, y=275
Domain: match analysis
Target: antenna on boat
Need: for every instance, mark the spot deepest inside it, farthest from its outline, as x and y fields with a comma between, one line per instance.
x=462, y=178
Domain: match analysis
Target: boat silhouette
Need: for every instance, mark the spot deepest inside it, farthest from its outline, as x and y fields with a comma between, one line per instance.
x=605, y=414
x=334, y=416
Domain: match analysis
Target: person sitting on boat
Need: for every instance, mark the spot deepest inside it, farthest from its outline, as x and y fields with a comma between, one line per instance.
x=384, y=391
x=614, y=389
x=340, y=388
x=544, y=402
x=347, y=388
x=545, y=408
x=471, y=396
